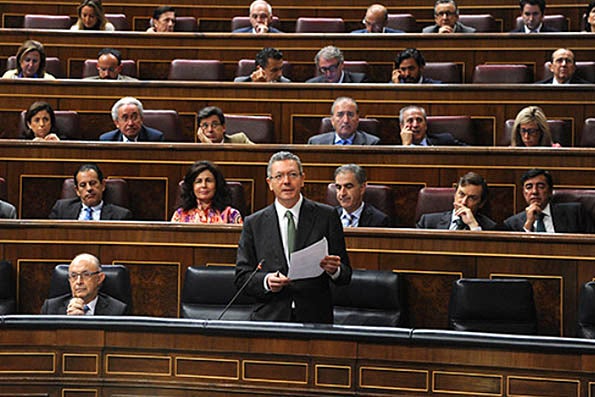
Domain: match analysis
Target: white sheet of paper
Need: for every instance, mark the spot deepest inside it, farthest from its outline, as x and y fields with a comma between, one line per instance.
x=305, y=263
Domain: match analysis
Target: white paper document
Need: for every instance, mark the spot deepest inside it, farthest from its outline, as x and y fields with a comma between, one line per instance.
x=305, y=263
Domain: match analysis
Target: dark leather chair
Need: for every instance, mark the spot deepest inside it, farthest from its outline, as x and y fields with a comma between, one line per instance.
x=433, y=199
x=561, y=132
x=380, y=196
x=116, y=283
x=404, y=22
x=37, y=21
x=584, y=69
x=242, y=22
x=116, y=191
x=186, y=24
x=556, y=21
x=196, y=70
x=372, y=298
x=52, y=65
x=499, y=306
x=446, y=72
x=119, y=21
x=238, y=200
x=166, y=121
x=208, y=289
x=371, y=126
x=259, y=129
x=502, y=74
x=128, y=68
x=461, y=127
x=8, y=303
x=588, y=134
x=67, y=122
x=481, y=22
x=584, y=196
x=320, y=25
x=247, y=66
x=586, y=311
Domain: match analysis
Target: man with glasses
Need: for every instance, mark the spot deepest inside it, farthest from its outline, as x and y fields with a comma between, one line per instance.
x=446, y=16
x=329, y=62
x=269, y=68
x=85, y=278
x=345, y=120
x=541, y=214
x=109, y=66
x=375, y=21
x=563, y=68
x=127, y=114
x=271, y=235
x=261, y=19
x=211, y=128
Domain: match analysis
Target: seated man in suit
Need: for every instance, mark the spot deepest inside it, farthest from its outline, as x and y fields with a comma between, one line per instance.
x=109, y=66
x=375, y=21
x=470, y=196
x=350, y=182
x=410, y=66
x=446, y=16
x=164, y=20
x=211, y=128
x=414, y=129
x=85, y=278
x=127, y=114
x=261, y=19
x=541, y=215
x=532, y=13
x=345, y=119
x=563, y=69
x=269, y=68
x=7, y=210
x=330, y=62
x=88, y=205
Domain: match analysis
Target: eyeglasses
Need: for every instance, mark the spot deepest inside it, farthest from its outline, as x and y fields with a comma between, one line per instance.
x=445, y=14
x=280, y=177
x=326, y=69
x=213, y=125
x=84, y=275
x=530, y=131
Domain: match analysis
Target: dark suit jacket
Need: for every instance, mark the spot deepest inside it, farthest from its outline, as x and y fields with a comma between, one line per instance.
x=7, y=210
x=261, y=240
x=328, y=138
x=347, y=79
x=370, y=217
x=386, y=30
x=146, y=134
x=459, y=28
x=106, y=305
x=248, y=29
x=441, y=220
x=71, y=209
x=544, y=29
x=424, y=80
x=567, y=218
x=248, y=79
x=443, y=139
x=574, y=80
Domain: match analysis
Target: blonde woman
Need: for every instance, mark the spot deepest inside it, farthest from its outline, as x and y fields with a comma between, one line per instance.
x=92, y=17
x=530, y=129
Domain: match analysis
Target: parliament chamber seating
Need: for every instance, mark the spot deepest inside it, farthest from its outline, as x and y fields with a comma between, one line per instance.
x=461, y=127
x=36, y=21
x=319, y=25
x=380, y=196
x=404, y=22
x=586, y=311
x=556, y=21
x=584, y=70
x=52, y=65
x=242, y=22
x=247, y=66
x=433, y=199
x=8, y=303
x=186, y=24
x=561, y=132
x=481, y=22
x=67, y=123
x=502, y=74
x=492, y=305
x=166, y=121
x=236, y=190
x=128, y=68
x=584, y=196
x=260, y=129
x=446, y=72
x=116, y=283
x=372, y=298
x=119, y=21
x=588, y=134
x=208, y=289
x=196, y=70
x=371, y=126
x=116, y=191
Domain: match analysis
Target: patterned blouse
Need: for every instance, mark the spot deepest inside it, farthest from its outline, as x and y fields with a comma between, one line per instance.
x=207, y=215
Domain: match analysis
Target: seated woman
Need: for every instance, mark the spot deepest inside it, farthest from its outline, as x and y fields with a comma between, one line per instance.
x=530, y=129
x=92, y=17
x=206, y=197
x=41, y=123
x=30, y=62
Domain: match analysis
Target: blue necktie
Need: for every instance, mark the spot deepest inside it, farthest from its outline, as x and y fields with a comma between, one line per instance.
x=88, y=214
x=86, y=308
x=343, y=142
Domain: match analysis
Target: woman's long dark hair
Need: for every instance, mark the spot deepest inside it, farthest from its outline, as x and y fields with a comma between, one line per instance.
x=35, y=108
x=222, y=197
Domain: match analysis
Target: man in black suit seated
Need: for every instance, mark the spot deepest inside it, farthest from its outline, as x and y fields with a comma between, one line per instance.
x=88, y=205
x=350, y=184
x=269, y=68
x=85, y=278
x=563, y=68
x=414, y=129
x=446, y=16
x=268, y=239
x=410, y=66
x=261, y=19
x=345, y=119
x=532, y=13
x=470, y=196
x=7, y=210
x=541, y=215
x=127, y=114
x=375, y=21
x=330, y=63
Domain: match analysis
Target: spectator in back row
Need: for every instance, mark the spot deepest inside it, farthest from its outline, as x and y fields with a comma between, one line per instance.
x=563, y=69
x=127, y=114
x=410, y=66
x=446, y=16
x=269, y=68
x=91, y=17
x=211, y=128
x=532, y=13
x=261, y=19
x=530, y=129
x=109, y=66
x=40, y=121
x=30, y=62
x=590, y=18
x=163, y=20
x=330, y=63
x=414, y=129
x=375, y=21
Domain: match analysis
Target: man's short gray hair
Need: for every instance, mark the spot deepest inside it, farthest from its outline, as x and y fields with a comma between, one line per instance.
x=128, y=100
x=329, y=52
x=89, y=258
x=438, y=2
x=359, y=172
x=411, y=107
x=282, y=156
x=269, y=8
x=344, y=99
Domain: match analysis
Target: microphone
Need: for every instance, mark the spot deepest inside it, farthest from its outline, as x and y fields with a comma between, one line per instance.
x=231, y=302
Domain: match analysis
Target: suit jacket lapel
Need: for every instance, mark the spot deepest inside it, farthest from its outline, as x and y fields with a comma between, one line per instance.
x=445, y=221
x=305, y=224
x=75, y=210
x=272, y=221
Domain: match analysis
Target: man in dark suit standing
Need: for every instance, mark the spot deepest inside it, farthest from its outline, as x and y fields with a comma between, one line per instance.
x=330, y=63
x=541, y=215
x=532, y=13
x=470, y=197
x=563, y=68
x=89, y=187
x=261, y=19
x=270, y=235
x=350, y=185
x=414, y=129
x=85, y=278
x=375, y=21
x=127, y=114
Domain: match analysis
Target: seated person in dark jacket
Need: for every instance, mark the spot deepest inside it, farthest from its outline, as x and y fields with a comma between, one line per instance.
x=85, y=278
x=211, y=128
x=414, y=129
x=261, y=19
x=446, y=16
x=269, y=68
x=470, y=196
x=375, y=21
x=563, y=68
x=410, y=66
x=88, y=205
x=127, y=114
x=330, y=63
x=532, y=13
x=541, y=215
x=350, y=183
